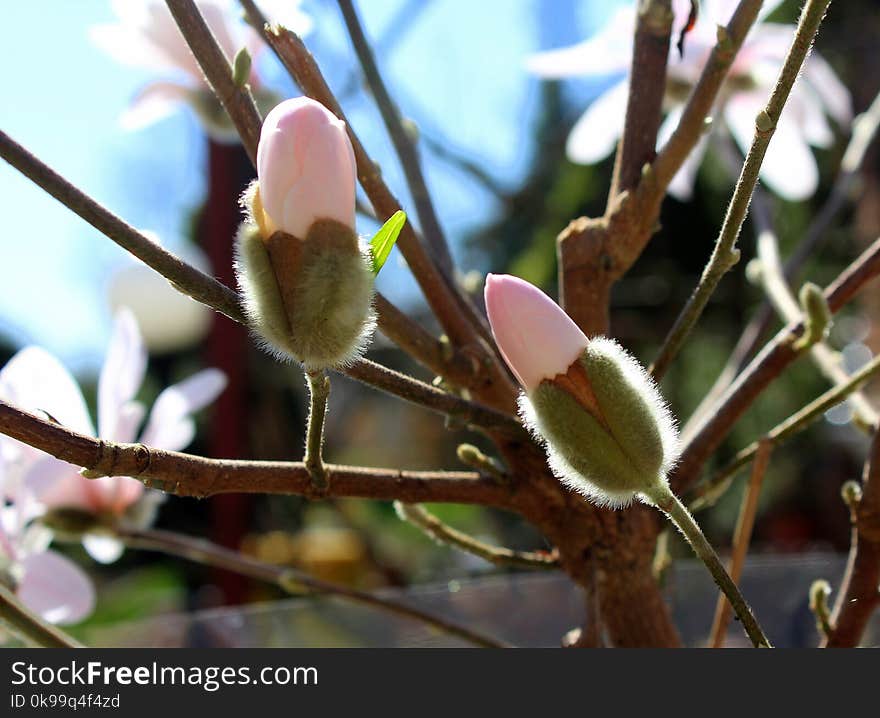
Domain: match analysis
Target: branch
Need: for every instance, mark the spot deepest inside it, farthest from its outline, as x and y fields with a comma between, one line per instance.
x=184, y=277
x=708, y=492
x=463, y=325
x=859, y=595
x=725, y=255
x=699, y=105
x=288, y=579
x=702, y=436
x=29, y=627
x=236, y=100
x=207, y=290
x=404, y=145
x=647, y=87
x=188, y=475
x=741, y=538
x=429, y=524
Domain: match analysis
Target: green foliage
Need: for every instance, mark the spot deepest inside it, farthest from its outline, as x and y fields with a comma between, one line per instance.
x=383, y=241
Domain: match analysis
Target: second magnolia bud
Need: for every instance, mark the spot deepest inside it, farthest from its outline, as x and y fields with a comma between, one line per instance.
x=306, y=278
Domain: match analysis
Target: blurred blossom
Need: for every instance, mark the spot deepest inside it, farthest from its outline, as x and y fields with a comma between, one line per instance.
x=147, y=37
x=789, y=168
x=46, y=582
x=36, y=381
x=168, y=319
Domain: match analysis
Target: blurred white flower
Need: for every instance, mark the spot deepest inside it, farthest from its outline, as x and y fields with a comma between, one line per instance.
x=789, y=168
x=168, y=319
x=36, y=381
x=147, y=37
x=46, y=582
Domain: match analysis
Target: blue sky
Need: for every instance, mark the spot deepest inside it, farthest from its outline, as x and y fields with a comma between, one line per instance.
x=455, y=68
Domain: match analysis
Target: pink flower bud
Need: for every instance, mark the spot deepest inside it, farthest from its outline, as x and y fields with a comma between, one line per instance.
x=536, y=337
x=306, y=169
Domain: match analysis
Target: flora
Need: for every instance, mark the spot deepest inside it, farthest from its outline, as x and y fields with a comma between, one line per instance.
x=591, y=414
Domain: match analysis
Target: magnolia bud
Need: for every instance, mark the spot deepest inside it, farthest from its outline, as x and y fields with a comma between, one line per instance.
x=306, y=278
x=605, y=427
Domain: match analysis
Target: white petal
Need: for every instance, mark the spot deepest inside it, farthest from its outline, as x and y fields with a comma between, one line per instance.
x=287, y=13
x=36, y=381
x=682, y=185
x=104, y=549
x=128, y=46
x=155, y=102
x=594, y=136
x=825, y=83
x=122, y=373
x=56, y=588
x=170, y=425
x=605, y=53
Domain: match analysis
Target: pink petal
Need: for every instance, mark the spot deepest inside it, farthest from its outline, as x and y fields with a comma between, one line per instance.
x=56, y=588
x=306, y=167
x=536, y=337
x=595, y=135
x=36, y=381
x=121, y=376
x=171, y=425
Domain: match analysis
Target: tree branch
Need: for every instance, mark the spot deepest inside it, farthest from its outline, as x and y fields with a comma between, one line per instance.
x=708, y=492
x=647, y=86
x=725, y=255
x=288, y=579
x=404, y=145
x=29, y=627
x=236, y=100
x=432, y=526
x=859, y=595
x=702, y=436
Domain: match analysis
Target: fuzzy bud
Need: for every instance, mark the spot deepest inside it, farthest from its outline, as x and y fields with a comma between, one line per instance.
x=306, y=277
x=817, y=315
x=607, y=431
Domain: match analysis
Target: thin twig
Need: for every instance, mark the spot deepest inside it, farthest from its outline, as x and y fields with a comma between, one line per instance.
x=29, y=627
x=669, y=504
x=741, y=538
x=427, y=522
x=236, y=100
x=725, y=255
x=859, y=594
x=404, y=145
x=709, y=491
x=319, y=393
x=702, y=436
x=188, y=475
x=288, y=579
x=207, y=290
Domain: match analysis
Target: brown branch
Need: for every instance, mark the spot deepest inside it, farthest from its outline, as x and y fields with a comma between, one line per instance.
x=288, y=579
x=647, y=86
x=236, y=100
x=702, y=437
x=404, y=145
x=188, y=475
x=466, y=328
x=218, y=296
x=741, y=538
x=859, y=595
x=31, y=628
x=184, y=277
x=699, y=105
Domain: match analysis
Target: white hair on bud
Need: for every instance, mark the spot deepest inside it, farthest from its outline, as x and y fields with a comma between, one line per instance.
x=645, y=385
x=564, y=471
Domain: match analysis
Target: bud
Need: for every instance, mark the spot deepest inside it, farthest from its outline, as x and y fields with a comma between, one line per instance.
x=605, y=427
x=306, y=278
